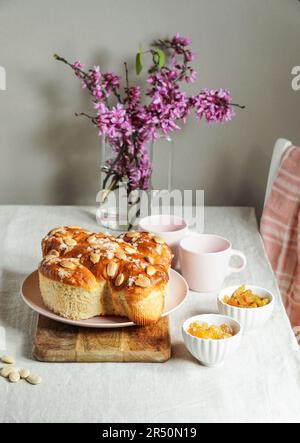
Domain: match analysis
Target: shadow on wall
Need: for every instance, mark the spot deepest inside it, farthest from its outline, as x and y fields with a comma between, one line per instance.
x=241, y=189
x=262, y=166
x=71, y=143
x=72, y=147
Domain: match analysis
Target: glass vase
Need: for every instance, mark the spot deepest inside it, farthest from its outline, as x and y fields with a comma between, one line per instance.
x=119, y=212
x=109, y=214
x=162, y=158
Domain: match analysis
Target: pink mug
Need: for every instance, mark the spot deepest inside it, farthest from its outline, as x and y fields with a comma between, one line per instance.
x=205, y=261
x=170, y=227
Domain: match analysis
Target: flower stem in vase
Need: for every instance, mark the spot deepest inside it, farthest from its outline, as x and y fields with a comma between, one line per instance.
x=129, y=122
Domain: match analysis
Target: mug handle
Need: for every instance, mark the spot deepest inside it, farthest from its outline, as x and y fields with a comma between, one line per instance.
x=235, y=252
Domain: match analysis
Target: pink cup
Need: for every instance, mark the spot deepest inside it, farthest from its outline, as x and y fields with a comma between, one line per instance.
x=205, y=261
x=170, y=227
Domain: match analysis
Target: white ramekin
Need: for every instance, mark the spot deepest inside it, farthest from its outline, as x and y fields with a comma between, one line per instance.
x=249, y=318
x=212, y=353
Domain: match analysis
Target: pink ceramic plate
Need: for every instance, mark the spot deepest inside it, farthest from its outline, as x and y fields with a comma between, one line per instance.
x=30, y=291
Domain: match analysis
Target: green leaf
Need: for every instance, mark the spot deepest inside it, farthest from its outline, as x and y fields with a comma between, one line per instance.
x=153, y=69
x=161, y=58
x=138, y=63
x=155, y=59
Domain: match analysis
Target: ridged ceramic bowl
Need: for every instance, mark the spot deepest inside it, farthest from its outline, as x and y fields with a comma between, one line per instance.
x=249, y=318
x=212, y=353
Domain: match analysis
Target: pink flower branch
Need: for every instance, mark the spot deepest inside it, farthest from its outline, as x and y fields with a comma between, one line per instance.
x=133, y=123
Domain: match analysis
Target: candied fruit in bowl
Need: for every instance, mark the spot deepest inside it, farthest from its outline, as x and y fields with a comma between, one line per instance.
x=212, y=332
x=245, y=298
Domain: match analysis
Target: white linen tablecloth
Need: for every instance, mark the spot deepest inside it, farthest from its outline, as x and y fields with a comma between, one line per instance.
x=260, y=383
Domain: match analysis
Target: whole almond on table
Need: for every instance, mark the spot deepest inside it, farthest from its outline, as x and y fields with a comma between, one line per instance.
x=4, y=372
x=24, y=373
x=7, y=359
x=14, y=376
x=34, y=379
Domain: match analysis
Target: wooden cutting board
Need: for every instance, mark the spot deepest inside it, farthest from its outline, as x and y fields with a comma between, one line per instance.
x=59, y=342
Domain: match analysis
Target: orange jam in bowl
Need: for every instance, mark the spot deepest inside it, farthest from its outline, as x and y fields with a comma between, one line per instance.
x=245, y=298
x=212, y=332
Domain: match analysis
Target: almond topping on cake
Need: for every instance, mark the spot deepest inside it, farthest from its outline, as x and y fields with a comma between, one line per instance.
x=159, y=240
x=151, y=271
x=58, y=231
x=112, y=269
x=92, y=239
x=132, y=234
x=119, y=280
x=68, y=264
x=142, y=281
x=130, y=250
x=69, y=241
x=150, y=259
x=86, y=274
x=53, y=253
x=63, y=273
x=121, y=255
x=95, y=258
x=50, y=259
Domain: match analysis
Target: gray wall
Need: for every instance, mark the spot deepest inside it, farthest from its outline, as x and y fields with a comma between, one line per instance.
x=50, y=157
